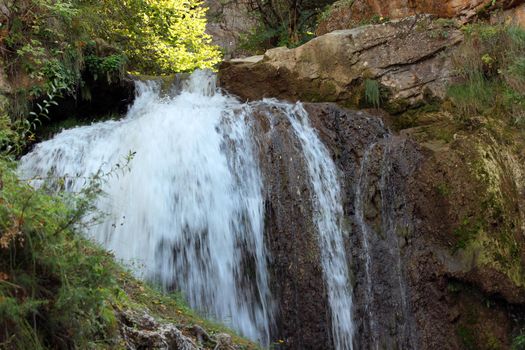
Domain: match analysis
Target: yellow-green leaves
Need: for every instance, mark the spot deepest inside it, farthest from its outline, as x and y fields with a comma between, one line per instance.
x=159, y=36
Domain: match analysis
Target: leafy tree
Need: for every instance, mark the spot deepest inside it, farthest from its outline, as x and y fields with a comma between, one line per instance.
x=158, y=36
x=48, y=46
x=288, y=22
x=46, y=39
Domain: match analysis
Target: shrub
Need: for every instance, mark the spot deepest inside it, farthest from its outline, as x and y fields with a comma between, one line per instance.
x=158, y=36
x=110, y=67
x=474, y=96
x=55, y=287
x=490, y=65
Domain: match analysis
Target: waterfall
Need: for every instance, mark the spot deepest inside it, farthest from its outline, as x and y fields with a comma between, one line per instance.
x=328, y=215
x=189, y=213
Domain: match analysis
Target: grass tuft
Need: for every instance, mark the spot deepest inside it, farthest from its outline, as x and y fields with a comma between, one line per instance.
x=490, y=66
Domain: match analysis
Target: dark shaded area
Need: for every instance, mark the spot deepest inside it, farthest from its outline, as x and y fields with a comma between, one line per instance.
x=96, y=99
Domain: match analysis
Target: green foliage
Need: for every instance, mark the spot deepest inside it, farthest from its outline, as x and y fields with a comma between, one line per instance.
x=158, y=36
x=57, y=290
x=283, y=23
x=372, y=93
x=55, y=287
x=261, y=38
x=474, y=96
x=491, y=66
x=519, y=342
x=39, y=49
x=44, y=42
x=110, y=67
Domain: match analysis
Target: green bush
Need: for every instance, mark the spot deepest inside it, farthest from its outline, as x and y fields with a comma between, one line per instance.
x=110, y=67
x=474, y=96
x=55, y=287
x=157, y=36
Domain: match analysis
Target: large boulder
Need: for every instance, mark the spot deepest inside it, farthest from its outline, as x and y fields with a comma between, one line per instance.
x=347, y=14
x=408, y=58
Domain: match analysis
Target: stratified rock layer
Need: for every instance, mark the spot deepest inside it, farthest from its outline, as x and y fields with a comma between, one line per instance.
x=348, y=14
x=409, y=59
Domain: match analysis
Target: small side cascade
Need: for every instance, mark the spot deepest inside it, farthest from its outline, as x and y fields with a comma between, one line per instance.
x=382, y=223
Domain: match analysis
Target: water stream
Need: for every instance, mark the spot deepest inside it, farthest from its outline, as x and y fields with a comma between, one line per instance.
x=189, y=211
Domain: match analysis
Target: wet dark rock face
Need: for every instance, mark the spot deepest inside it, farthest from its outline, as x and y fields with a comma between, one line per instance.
x=410, y=290
x=381, y=296
x=376, y=167
x=296, y=275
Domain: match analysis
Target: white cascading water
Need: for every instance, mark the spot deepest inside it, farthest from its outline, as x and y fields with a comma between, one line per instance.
x=328, y=215
x=191, y=206
x=189, y=212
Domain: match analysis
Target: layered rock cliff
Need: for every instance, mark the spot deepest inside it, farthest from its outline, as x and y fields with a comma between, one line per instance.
x=408, y=60
x=349, y=14
x=436, y=208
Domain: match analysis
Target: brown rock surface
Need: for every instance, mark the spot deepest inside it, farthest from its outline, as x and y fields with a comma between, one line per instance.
x=514, y=16
x=407, y=57
x=348, y=14
x=432, y=287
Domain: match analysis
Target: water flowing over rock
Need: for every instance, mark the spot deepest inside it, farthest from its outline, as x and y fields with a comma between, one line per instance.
x=307, y=225
x=189, y=213
x=383, y=222
x=190, y=210
x=377, y=167
x=327, y=215
x=408, y=58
